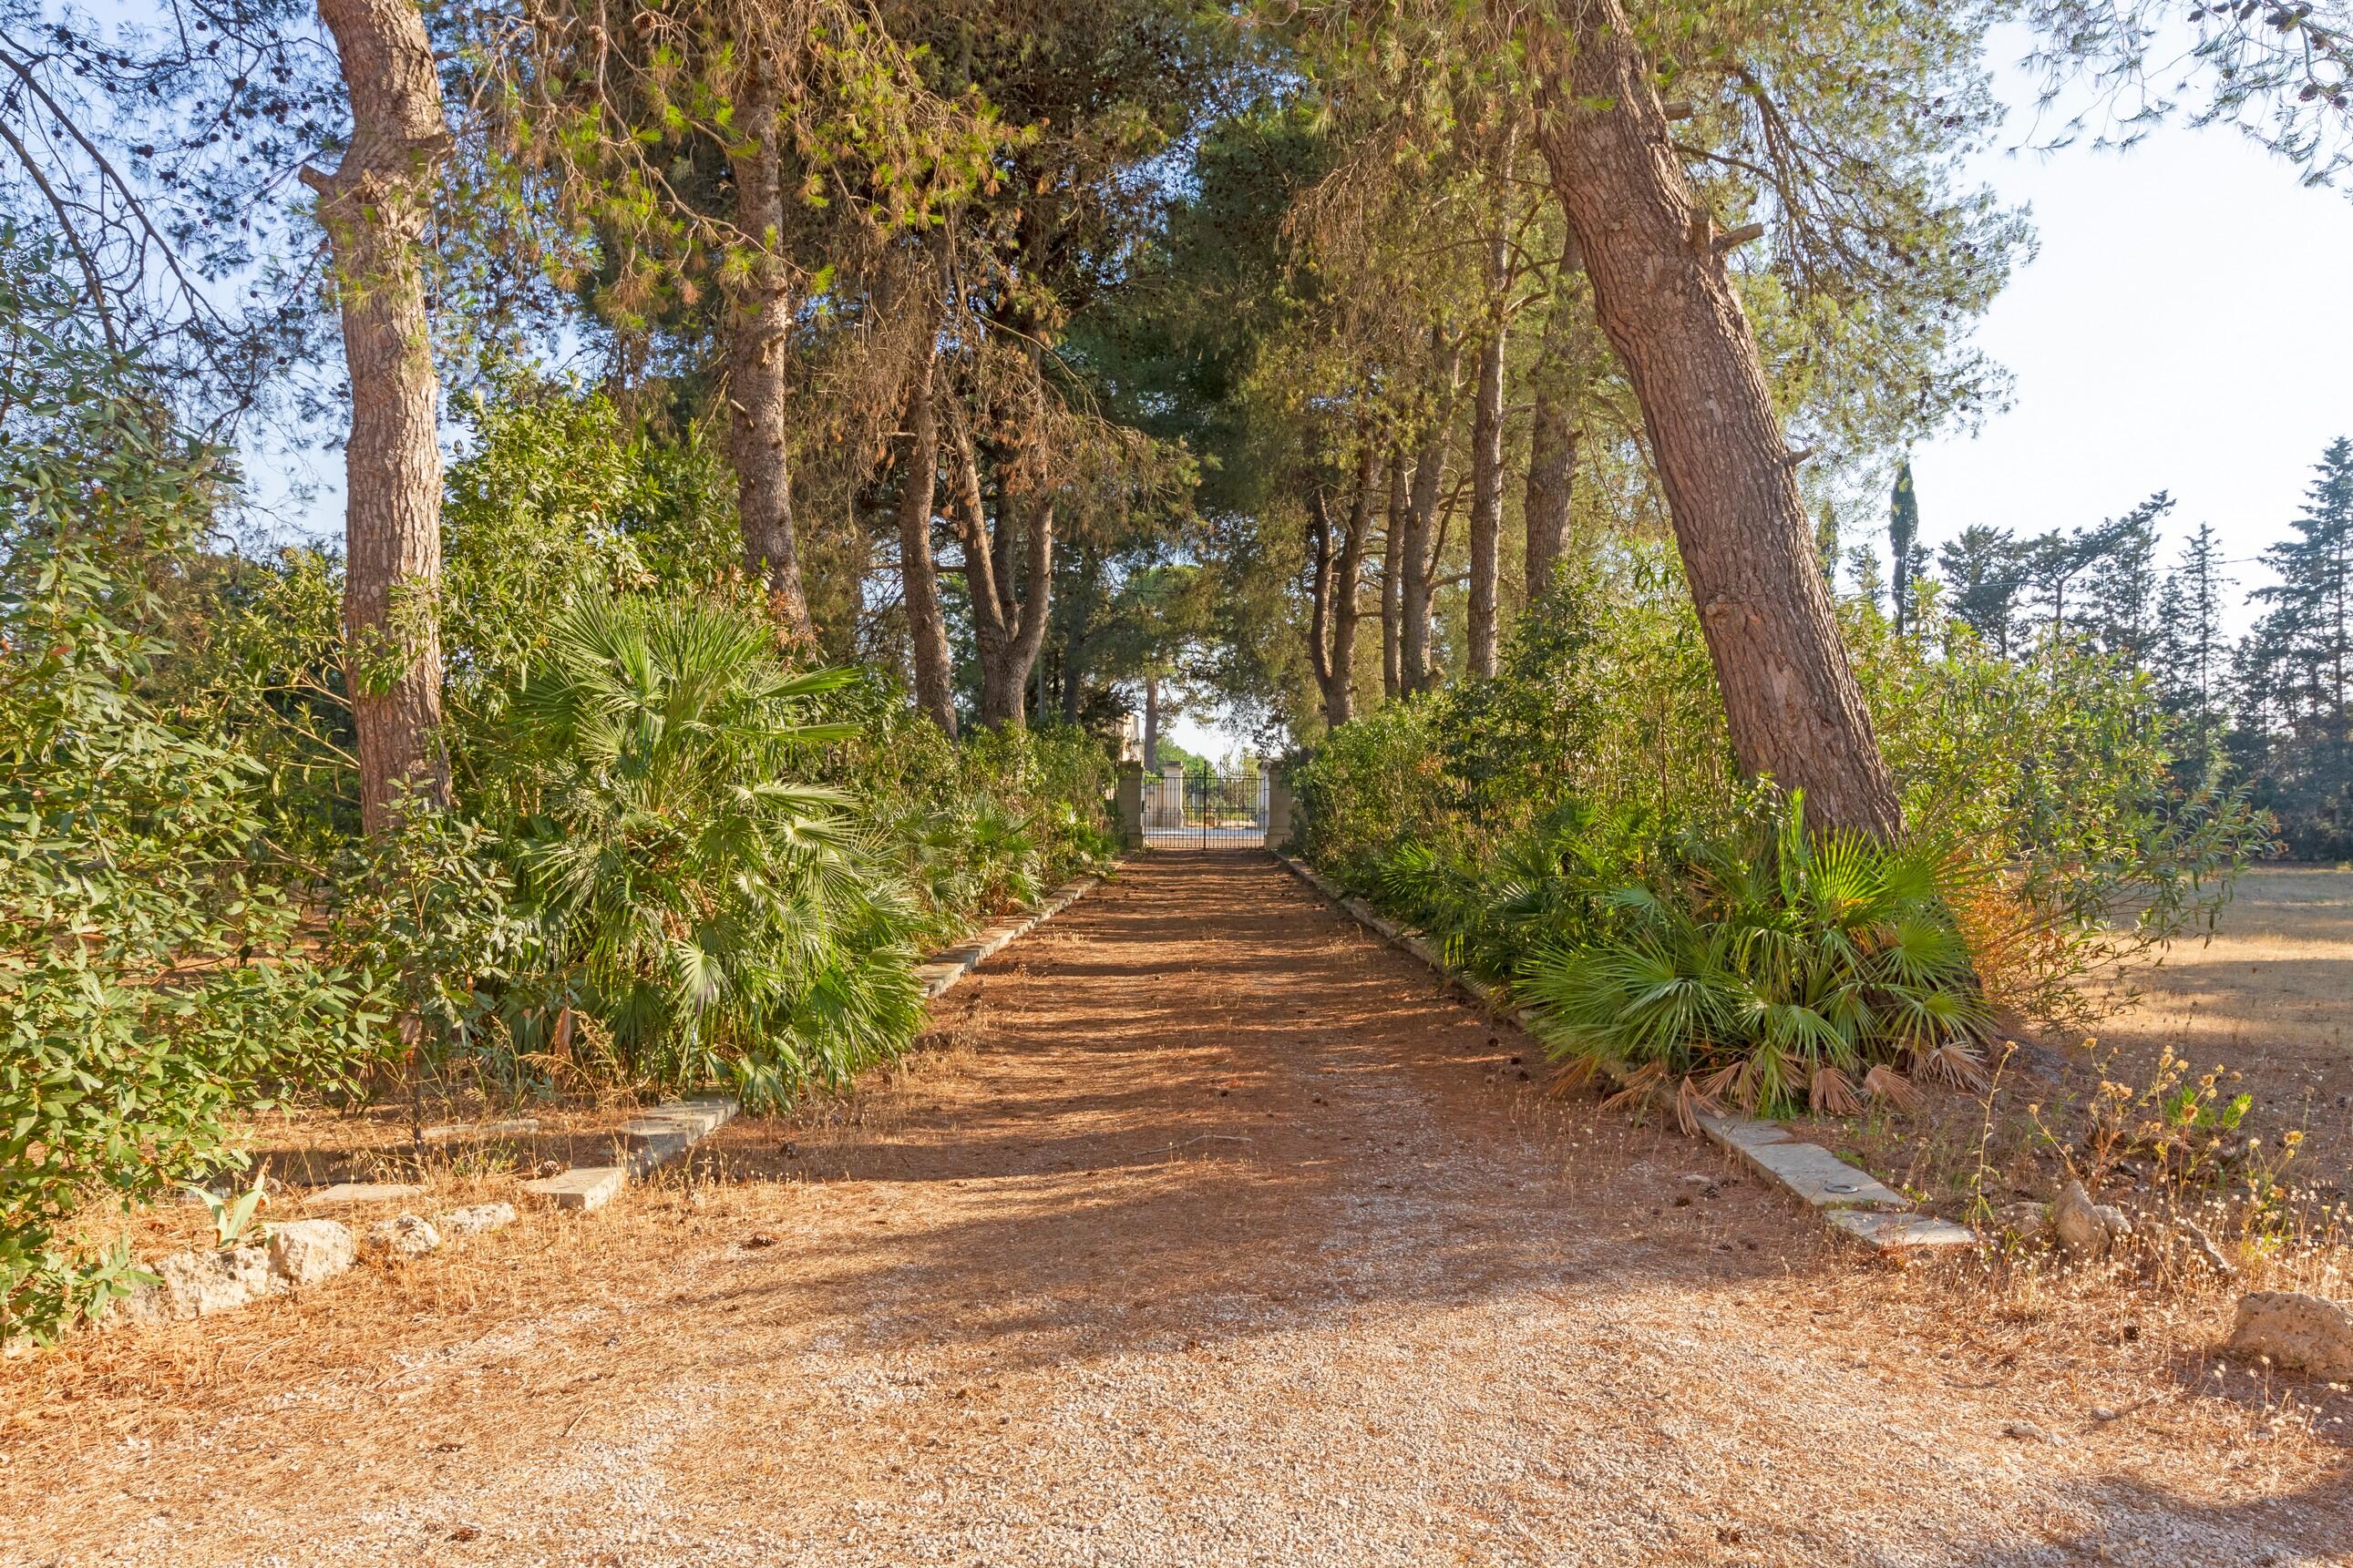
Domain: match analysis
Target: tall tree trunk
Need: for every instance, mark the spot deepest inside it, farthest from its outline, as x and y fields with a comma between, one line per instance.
x=1552, y=476
x=1486, y=504
x=1665, y=299
x=1552, y=457
x=1348, y=571
x=1319, y=593
x=1392, y=582
x=1421, y=511
x=374, y=209
x=1009, y=616
x=927, y=628
x=759, y=350
x=1152, y=722
x=1487, y=439
x=1078, y=608
x=1036, y=596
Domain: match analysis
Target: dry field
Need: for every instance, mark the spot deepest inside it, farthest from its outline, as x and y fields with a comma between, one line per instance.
x=1209, y=1233
x=2271, y=996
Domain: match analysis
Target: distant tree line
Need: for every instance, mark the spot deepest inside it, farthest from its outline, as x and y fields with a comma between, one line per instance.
x=2273, y=706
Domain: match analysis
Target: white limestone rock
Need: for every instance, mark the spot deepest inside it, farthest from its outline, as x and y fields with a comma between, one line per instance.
x=305, y=1251
x=2086, y=1229
x=403, y=1238
x=476, y=1218
x=199, y=1284
x=2310, y=1333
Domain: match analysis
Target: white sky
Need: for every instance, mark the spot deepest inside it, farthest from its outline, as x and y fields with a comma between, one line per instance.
x=2183, y=328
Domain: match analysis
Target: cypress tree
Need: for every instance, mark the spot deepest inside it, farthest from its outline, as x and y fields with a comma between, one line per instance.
x=1902, y=543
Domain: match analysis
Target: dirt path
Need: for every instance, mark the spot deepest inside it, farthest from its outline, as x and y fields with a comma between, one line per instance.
x=1218, y=1238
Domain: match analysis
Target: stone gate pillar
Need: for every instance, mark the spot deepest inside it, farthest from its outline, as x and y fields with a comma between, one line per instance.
x=1278, y=809
x=1131, y=807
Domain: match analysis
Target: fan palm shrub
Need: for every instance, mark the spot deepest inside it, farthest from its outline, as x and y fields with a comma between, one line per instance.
x=1773, y=969
x=722, y=917
x=1489, y=900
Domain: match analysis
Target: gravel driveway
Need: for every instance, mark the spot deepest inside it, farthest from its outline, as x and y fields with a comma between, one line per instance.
x=1215, y=1236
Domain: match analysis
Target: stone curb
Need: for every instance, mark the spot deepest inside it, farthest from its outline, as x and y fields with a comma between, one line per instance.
x=946, y=968
x=1851, y=1202
x=658, y=1136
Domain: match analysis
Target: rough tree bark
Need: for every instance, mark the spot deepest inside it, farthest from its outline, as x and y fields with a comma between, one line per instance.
x=374, y=209
x=1347, y=575
x=1008, y=624
x=1421, y=511
x=1392, y=578
x=1552, y=477
x=1319, y=591
x=1078, y=608
x=1335, y=565
x=1486, y=504
x=758, y=353
x=919, y=578
x=1666, y=301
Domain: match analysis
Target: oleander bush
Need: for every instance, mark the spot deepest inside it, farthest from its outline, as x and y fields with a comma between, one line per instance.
x=154, y=979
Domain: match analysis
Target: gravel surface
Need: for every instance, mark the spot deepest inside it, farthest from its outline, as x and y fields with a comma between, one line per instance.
x=1220, y=1238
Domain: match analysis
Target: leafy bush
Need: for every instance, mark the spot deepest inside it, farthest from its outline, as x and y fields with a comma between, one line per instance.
x=2059, y=772
x=150, y=978
x=1501, y=816
x=672, y=859
x=1375, y=785
x=975, y=826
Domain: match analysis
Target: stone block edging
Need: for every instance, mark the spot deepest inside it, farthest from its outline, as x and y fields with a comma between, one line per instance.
x=1851, y=1202
x=948, y=967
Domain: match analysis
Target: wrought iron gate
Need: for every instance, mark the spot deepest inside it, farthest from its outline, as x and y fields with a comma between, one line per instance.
x=1205, y=810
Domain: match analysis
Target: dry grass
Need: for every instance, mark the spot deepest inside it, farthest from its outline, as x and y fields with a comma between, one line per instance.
x=2261, y=1010
x=2272, y=997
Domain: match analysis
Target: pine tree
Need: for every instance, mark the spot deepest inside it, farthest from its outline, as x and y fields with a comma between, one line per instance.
x=1902, y=543
x=2312, y=616
x=1863, y=563
x=2293, y=668
x=2193, y=618
x=2121, y=595
x=1986, y=569
x=2115, y=603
